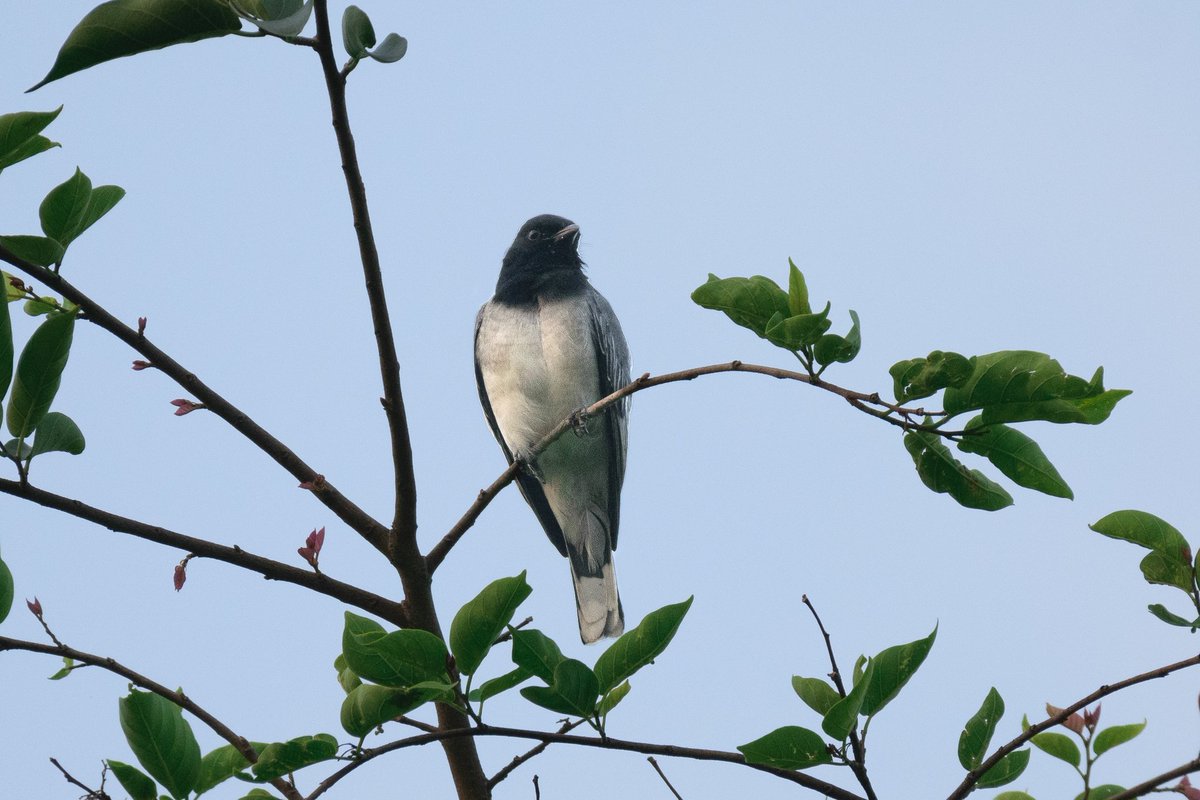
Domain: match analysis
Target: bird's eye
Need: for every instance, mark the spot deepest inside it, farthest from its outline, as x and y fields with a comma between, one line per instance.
x=533, y=235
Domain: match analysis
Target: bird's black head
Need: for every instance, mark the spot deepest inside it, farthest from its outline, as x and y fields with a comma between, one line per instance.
x=543, y=261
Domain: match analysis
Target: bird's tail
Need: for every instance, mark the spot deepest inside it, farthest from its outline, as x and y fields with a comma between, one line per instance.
x=596, y=597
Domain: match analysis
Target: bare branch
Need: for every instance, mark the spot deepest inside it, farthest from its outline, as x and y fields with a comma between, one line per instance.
x=663, y=775
x=272, y=570
x=1146, y=787
x=92, y=794
x=517, y=761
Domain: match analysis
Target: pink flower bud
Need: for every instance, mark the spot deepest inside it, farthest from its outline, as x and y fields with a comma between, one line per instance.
x=139, y=365
x=141, y=325
x=185, y=406
x=1092, y=718
x=35, y=606
x=312, y=547
x=180, y=575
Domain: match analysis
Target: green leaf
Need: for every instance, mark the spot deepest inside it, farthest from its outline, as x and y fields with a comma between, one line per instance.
x=536, y=653
x=840, y=349
x=1013, y=796
x=792, y=333
x=1006, y=770
x=789, y=747
x=921, y=377
x=347, y=678
x=68, y=668
x=18, y=448
x=126, y=27
x=491, y=688
x=7, y=590
x=11, y=293
x=358, y=34
x=101, y=201
x=282, y=758
x=6, y=348
x=258, y=794
x=222, y=764
x=943, y=473
x=1020, y=385
x=39, y=373
x=391, y=49
x=37, y=250
x=133, y=780
x=610, y=700
x=1059, y=745
x=63, y=210
x=1167, y=570
x=479, y=622
x=398, y=659
x=1170, y=559
x=977, y=733
x=1015, y=455
x=640, y=646
x=19, y=137
x=58, y=433
x=573, y=690
x=1101, y=792
x=1160, y=611
x=367, y=706
x=816, y=694
x=841, y=719
x=749, y=302
x=162, y=740
x=1109, y=738
x=797, y=291
x=40, y=307
x=893, y=667
x=280, y=17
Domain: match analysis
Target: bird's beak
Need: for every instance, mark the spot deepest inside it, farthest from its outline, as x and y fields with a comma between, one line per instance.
x=570, y=230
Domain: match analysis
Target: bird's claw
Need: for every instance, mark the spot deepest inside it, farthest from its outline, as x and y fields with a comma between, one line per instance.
x=579, y=422
x=528, y=464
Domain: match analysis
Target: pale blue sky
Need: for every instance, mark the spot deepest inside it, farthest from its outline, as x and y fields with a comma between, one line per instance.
x=967, y=176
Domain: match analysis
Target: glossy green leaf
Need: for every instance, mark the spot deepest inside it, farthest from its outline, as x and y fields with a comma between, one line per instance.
x=1109, y=738
x=67, y=669
x=221, y=764
x=1160, y=611
x=943, y=473
x=1102, y=792
x=573, y=691
x=640, y=646
x=797, y=291
x=842, y=718
x=1167, y=570
x=893, y=667
x=137, y=783
x=921, y=377
x=1006, y=770
x=358, y=34
x=478, y=623
x=367, y=706
x=749, y=302
x=816, y=693
x=977, y=734
x=398, y=659
x=610, y=700
x=6, y=590
x=536, y=653
x=1170, y=559
x=58, y=433
x=19, y=137
x=1016, y=455
x=832, y=348
x=64, y=208
x=126, y=27
x=162, y=740
x=789, y=747
x=282, y=758
x=1020, y=385
x=1059, y=745
x=101, y=201
x=38, y=250
x=793, y=333
x=39, y=373
x=490, y=688
x=280, y=17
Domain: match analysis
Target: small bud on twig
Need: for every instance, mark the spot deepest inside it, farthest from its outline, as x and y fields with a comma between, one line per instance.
x=186, y=406
x=1185, y=788
x=312, y=548
x=139, y=365
x=180, y=576
x=1073, y=722
x=35, y=606
x=1092, y=718
x=314, y=484
x=141, y=326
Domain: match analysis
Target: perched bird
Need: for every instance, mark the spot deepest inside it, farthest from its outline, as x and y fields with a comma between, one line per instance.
x=546, y=345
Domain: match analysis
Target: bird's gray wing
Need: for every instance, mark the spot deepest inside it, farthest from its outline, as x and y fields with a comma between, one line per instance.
x=612, y=363
x=530, y=488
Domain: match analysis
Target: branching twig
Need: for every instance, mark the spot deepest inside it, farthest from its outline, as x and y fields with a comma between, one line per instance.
x=517, y=761
x=968, y=784
x=663, y=775
x=272, y=570
x=180, y=699
x=1147, y=786
x=92, y=794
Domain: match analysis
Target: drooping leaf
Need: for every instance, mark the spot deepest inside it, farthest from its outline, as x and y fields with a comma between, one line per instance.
x=391, y=49
x=126, y=27
x=610, y=700
x=1170, y=559
x=795, y=332
x=573, y=691
x=833, y=348
x=221, y=764
x=816, y=693
x=1109, y=738
x=789, y=747
x=39, y=373
x=797, y=291
x=943, y=473
x=892, y=669
x=398, y=659
x=977, y=734
x=638, y=647
x=921, y=377
x=280, y=17
x=1160, y=611
x=1016, y=455
x=162, y=740
x=749, y=302
x=1059, y=745
x=478, y=623
x=38, y=250
x=367, y=706
x=58, y=433
x=64, y=208
x=19, y=137
x=495, y=686
x=6, y=590
x=358, y=34
x=842, y=718
x=282, y=758
x=133, y=780
x=1006, y=770
x=536, y=653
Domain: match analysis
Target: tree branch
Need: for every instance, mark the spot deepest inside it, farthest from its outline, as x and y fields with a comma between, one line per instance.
x=517, y=761
x=92, y=794
x=272, y=570
x=359, y=520
x=1148, y=786
x=180, y=699
x=968, y=784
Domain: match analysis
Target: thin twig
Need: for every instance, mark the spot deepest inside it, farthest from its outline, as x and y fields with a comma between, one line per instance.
x=968, y=784
x=504, y=637
x=92, y=794
x=663, y=775
x=517, y=761
x=537, y=790
x=241, y=744
x=860, y=400
x=1148, y=786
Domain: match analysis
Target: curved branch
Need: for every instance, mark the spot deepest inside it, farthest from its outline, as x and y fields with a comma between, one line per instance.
x=968, y=784
x=241, y=744
x=272, y=570
x=607, y=743
x=359, y=520
x=860, y=400
x=1148, y=786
